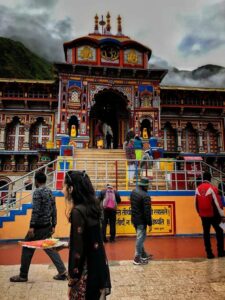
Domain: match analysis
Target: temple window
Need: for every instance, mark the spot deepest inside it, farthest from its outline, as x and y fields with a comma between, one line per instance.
x=210, y=139
x=169, y=135
x=39, y=134
x=38, y=92
x=13, y=92
x=74, y=97
x=189, y=139
x=14, y=135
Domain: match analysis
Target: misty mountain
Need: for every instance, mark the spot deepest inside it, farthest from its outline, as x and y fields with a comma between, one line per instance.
x=16, y=61
x=208, y=76
x=206, y=71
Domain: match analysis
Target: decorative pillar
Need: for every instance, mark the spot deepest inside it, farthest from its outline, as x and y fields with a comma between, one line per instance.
x=200, y=140
x=40, y=162
x=2, y=136
x=26, y=165
x=219, y=141
x=108, y=26
x=59, y=107
x=119, y=26
x=179, y=133
x=13, y=163
x=96, y=25
x=26, y=145
x=137, y=124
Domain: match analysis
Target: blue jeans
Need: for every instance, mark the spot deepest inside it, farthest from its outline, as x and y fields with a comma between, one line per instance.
x=141, y=236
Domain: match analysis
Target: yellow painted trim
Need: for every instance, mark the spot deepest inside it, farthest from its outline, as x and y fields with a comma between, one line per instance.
x=166, y=87
x=126, y=176
x=27, y=80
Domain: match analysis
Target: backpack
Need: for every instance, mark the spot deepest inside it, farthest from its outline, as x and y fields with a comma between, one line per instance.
x=109, y=202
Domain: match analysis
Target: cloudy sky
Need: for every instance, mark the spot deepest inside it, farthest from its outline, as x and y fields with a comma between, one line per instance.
x=184, y=34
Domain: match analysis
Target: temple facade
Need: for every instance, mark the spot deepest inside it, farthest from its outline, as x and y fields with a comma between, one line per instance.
x=105, y=78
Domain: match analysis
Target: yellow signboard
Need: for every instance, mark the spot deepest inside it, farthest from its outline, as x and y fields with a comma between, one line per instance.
x=163, y=219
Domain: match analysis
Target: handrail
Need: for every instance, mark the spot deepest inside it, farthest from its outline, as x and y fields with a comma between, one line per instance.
x=30, y=173
x=116, y=172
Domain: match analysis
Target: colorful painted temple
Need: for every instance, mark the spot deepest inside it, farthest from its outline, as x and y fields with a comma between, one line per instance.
x=106, y=77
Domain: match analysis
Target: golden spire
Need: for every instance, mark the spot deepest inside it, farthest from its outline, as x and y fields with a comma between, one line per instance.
x=119, y=26
x=102, y=24
x=108, y=26
x=96, y=24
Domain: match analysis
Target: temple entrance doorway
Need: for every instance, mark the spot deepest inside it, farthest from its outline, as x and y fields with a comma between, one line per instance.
x=111, y=110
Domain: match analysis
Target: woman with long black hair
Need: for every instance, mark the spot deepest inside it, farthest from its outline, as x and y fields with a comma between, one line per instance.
x=89, y=276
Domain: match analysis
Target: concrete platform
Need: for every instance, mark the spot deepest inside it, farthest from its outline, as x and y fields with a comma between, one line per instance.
x=179, y=271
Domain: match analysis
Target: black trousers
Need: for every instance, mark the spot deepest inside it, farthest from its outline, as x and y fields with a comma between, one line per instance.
x=109, y=217
x=206, y=224
x=27, y=253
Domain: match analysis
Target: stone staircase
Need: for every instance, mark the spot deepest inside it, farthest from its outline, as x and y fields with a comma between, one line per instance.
x=103, y=166
x=158, y=180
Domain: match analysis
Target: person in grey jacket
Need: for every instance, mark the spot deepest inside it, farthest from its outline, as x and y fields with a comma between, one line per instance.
x=141, y=218
x=42, y=226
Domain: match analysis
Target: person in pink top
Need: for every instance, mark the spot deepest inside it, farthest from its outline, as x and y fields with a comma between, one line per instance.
x=210, y=209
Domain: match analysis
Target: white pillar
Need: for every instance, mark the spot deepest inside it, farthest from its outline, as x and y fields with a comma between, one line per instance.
x=179, y=145
x=2, y=137
x=200, y=141
x=26, y=145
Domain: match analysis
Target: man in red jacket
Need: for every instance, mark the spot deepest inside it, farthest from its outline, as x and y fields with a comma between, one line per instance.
x=210, y=209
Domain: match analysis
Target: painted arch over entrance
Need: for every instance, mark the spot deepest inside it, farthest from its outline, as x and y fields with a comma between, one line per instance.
x=111, y=108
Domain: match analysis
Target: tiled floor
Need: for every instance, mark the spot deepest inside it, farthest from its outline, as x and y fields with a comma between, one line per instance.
x=123, y=249
x=179, y=271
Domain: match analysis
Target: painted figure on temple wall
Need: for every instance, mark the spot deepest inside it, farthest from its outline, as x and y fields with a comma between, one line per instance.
x=86, y=53
x=132, y=57
x=146, y=100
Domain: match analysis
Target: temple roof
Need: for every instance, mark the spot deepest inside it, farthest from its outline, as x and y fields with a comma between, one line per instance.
x=102, y=35
x=96, y=40
x=111, y=72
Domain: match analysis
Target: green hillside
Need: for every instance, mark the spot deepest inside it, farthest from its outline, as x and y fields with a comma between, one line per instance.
x=16, y=61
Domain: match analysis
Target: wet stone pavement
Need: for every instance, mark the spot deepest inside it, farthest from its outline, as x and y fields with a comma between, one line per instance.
x=160, y=279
